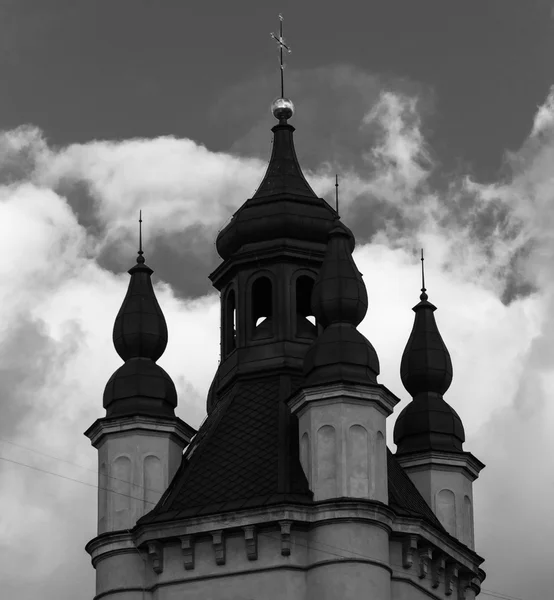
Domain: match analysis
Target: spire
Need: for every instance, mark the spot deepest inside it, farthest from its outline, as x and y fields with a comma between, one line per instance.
x=140, y=338
x=339, y=302
x=140, y=329
x=284, y=175
x=428, y=422
x=426, y=364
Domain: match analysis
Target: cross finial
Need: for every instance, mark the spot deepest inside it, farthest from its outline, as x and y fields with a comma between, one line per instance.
x=423, y=295
x=140, y=258
x=282, y=46
x=337, y=193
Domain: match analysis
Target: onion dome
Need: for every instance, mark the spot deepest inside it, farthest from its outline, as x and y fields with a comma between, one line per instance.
x=428, y=422
x=339, y=302
x=140, y=328
x=140, y=386
x=284, y=206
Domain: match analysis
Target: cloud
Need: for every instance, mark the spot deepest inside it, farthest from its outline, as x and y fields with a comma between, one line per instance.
x=68, y=233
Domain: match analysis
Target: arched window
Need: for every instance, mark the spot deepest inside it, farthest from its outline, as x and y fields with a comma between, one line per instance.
x=305, y=320
x=262, y=308
x=230, y=326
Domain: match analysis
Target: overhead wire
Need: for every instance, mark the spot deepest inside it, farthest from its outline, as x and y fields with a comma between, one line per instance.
x=491, y=593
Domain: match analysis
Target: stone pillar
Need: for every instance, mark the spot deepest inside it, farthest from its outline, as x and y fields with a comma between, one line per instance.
x=342, y=439
x=445, y=480
x=137, y=459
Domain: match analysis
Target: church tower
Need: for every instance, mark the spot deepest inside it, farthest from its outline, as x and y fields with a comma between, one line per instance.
x=140, y=441
x=429, y=433
x=288, y=489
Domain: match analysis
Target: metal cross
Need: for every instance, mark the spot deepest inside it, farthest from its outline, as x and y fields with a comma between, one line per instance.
x=282, y=46
x=422, y=274
x=140, y=234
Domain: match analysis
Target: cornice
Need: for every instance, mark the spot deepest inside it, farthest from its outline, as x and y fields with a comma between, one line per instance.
x=378, y=395
x=152, y=425
x=445, y=461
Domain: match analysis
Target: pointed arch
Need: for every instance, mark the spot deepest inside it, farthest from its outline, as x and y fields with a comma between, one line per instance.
x=305, y=319
x=357, y=462
x=153, y=481
x=446, y=510
x=261, y=307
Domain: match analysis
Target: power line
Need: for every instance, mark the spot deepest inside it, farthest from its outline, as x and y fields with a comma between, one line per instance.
x=296, y=542
x=69, y=462
x=92, y=485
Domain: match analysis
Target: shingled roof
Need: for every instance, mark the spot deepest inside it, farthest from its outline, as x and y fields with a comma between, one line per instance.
x=241, y=458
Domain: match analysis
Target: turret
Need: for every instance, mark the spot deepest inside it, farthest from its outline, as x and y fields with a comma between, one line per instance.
x=272, y=250
x=140, y=441
x=429, y=434
x=341, y=408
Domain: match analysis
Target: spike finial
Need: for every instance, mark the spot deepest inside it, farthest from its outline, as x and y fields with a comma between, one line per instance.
x=337, y=193
x=140, y=258
x=423, y=295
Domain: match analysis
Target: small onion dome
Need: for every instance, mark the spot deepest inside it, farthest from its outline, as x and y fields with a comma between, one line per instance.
x=339, y=302
x=140, y=386
x=284, y=206
x=426, y=364
x=428, y=423
x=140, y=329
x=339, y=294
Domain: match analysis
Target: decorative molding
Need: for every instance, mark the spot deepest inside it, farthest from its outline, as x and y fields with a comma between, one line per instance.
x=437, y=571
x=187, y=547
x=156, y=554
x=218, y=542
x=160, y=426
x=451, y=575
x=409, y=548
x=425, y=555
x=378, y=395
x=251, y=541
x=468, y=586
x=285, y=537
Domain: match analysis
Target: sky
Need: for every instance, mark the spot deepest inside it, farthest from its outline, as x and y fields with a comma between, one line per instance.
x=439, y=118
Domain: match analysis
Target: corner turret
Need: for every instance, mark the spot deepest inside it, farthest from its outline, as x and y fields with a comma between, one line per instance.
x=140, y=441
x=341, y=408
x=429, y=434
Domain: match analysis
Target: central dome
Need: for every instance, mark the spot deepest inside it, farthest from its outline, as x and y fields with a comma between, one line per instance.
x=284, y=206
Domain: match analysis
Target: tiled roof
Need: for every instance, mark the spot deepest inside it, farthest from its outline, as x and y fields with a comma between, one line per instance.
x=404, y=497
x=240, y=458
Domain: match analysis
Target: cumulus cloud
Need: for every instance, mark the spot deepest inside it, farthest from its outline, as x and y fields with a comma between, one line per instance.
x=68, y=232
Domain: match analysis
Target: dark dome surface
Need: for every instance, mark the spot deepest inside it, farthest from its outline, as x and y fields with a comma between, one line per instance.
x=140, y=386
x=426, y=365
x=341, y=353
x=284, y=206
x=140, y=328
x=339, y=294
x=428, y=423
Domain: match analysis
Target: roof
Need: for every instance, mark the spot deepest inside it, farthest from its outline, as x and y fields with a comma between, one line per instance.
x=245, y=456
x=404, y=497
x=284, y=206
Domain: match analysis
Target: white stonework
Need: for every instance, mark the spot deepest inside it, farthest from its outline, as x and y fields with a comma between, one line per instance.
x=445, y=480
x=342, y=549
x=343, y=447
x=137, y=459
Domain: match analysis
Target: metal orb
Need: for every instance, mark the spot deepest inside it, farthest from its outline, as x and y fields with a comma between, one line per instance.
x=282, y=108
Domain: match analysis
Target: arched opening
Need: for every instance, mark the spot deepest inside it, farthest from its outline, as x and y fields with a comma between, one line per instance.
x=262, y=308
x=305, y=320
x=230, y=326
